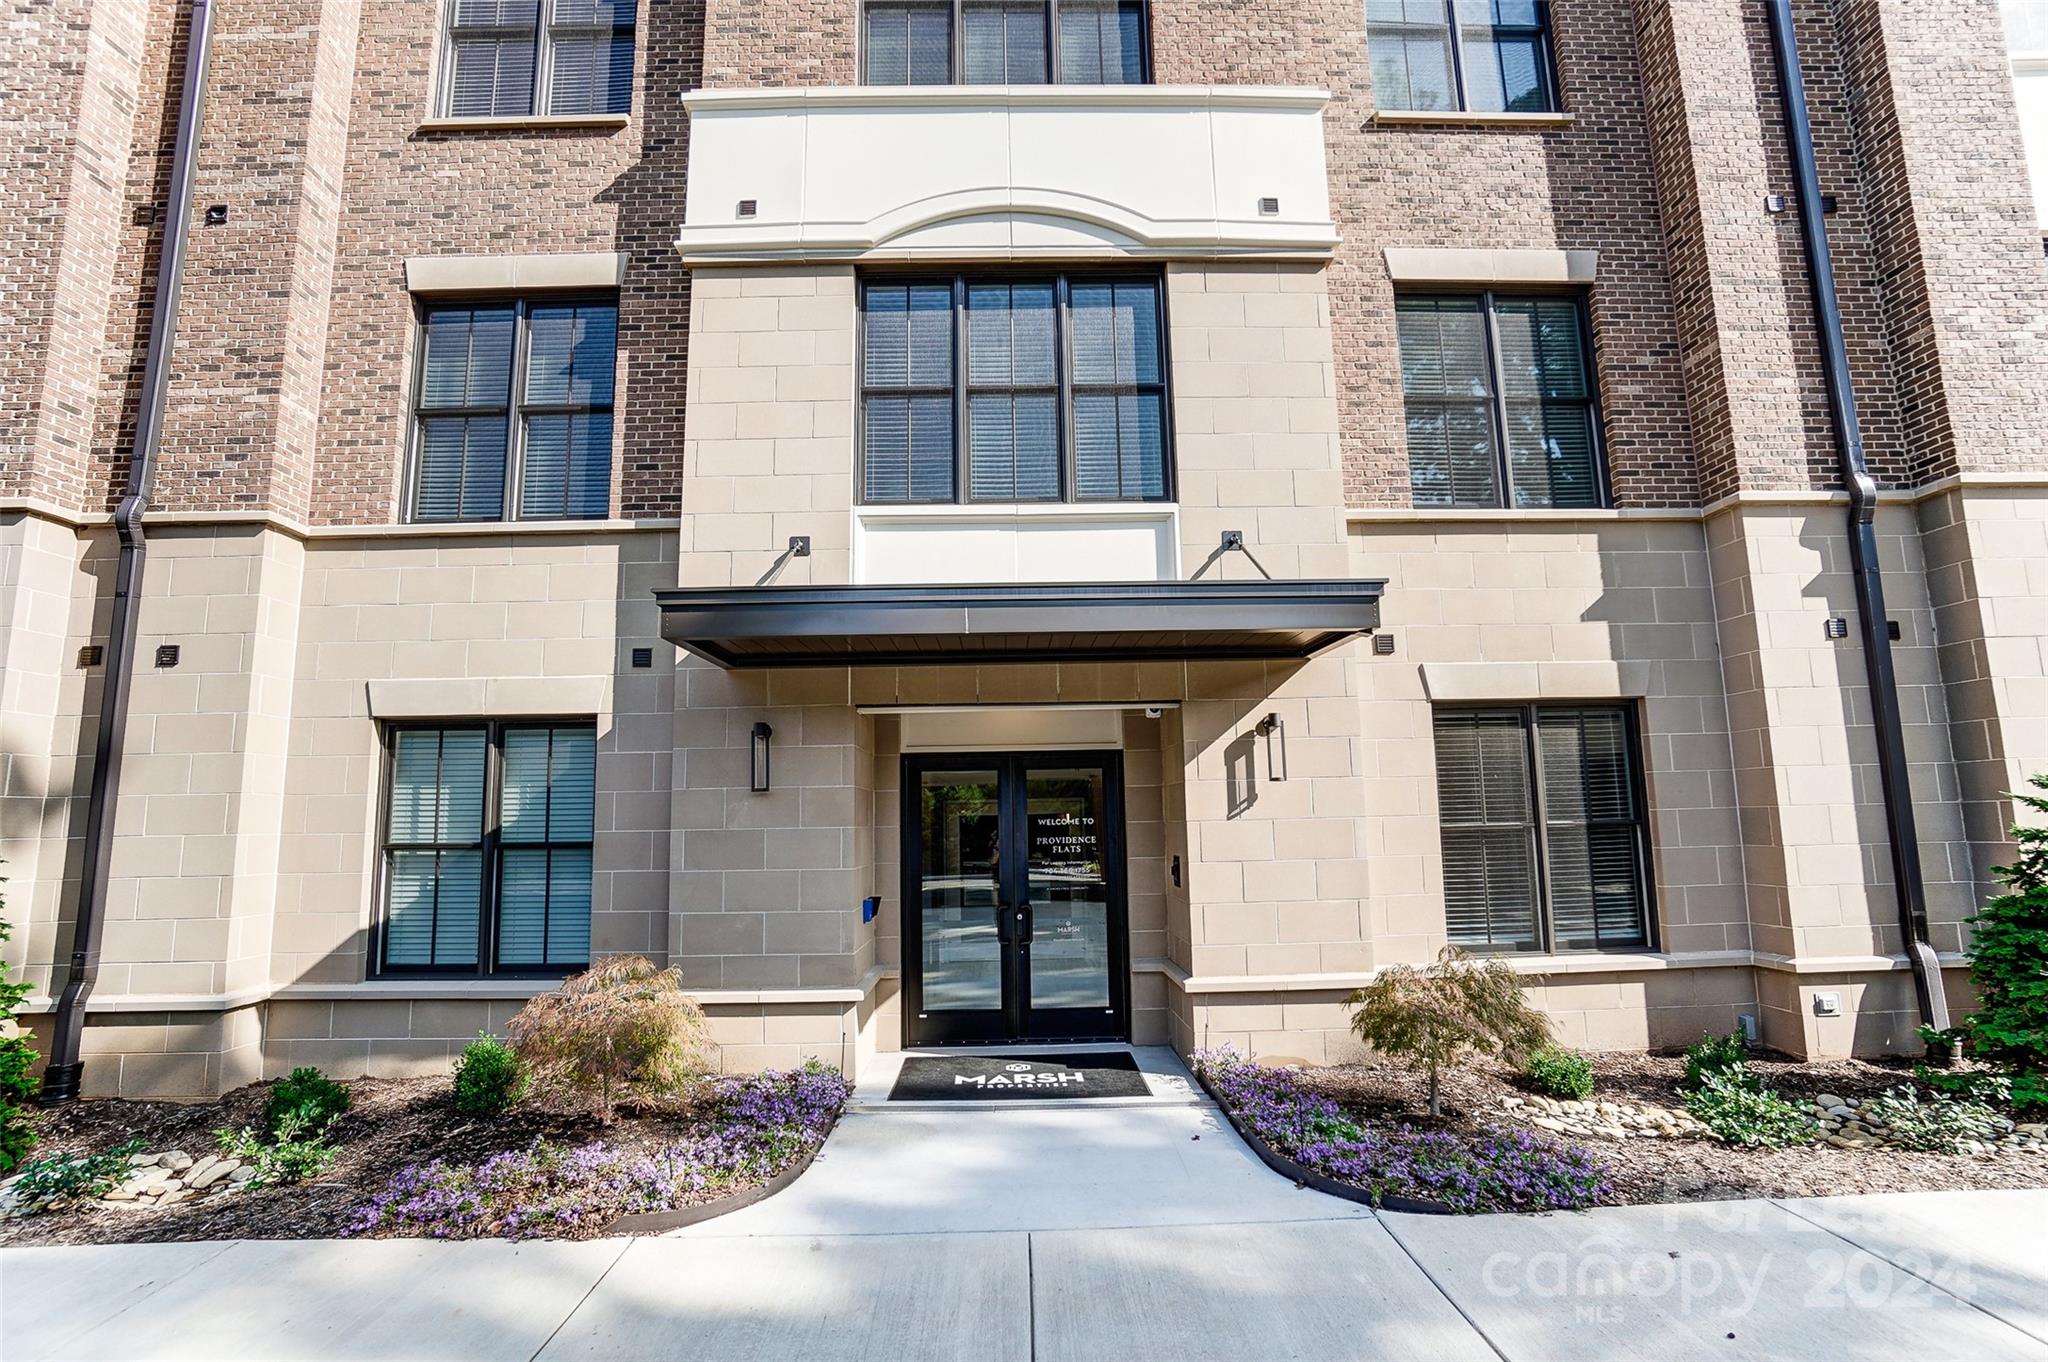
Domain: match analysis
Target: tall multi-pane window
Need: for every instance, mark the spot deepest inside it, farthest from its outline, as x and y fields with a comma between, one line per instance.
x=1476, y=56
x=514, y=58
x=1544, y=839
x=1004, y=42
x=1500, y=401
x=1058, y=381
x=487, y=848
x=513, y=418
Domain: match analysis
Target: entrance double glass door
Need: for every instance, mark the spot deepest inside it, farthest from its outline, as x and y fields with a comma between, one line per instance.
x=1013, y=885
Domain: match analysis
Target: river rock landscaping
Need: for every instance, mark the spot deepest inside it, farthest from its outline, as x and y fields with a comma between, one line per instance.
x=408, y=1163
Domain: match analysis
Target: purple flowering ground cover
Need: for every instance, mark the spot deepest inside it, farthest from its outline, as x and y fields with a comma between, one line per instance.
x=756, y=1126
x=1473, y=1170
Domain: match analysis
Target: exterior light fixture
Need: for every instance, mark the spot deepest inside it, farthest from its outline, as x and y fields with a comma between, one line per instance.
x=1275, y=733
x=758, y=775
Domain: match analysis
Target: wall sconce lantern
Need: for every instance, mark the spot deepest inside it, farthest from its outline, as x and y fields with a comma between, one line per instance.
x=758, y=781
x=1275, y=733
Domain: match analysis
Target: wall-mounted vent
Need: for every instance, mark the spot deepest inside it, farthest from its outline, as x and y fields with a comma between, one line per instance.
x=167, y=654
x=1382, y=645
x=1269, y=208
x=643, y=657
x=749, y=208
x=1837, y=627
x=1892, y=627
x=90, y=655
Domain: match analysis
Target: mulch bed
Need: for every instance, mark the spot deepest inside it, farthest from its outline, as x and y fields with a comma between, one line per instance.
x=1647, y=1171
x=390, y=1123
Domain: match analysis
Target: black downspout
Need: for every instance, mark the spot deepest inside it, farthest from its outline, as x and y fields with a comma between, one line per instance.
x=61, y=1076
x=1863, y=556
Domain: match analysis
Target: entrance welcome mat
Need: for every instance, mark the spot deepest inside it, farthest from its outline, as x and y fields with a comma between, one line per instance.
x=982, y=1078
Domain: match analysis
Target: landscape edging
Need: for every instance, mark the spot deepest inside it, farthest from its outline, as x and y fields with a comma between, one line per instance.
x=1308, y=1177
x=660, y=1222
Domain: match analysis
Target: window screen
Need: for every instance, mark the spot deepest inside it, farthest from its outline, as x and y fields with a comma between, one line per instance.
x=434, y=895
x=508, y=58
x=1006, y=43
x=1102, y=43
x=1119, y=393
x=909, y=44
x=480, y=455
x=1544, y=842
x=488, y=848
x=1013, y=393
x=1499, y=393
x=1483, y=56
x=907, y=387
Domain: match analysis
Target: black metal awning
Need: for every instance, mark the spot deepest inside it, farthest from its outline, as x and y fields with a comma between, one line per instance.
x=839, y=626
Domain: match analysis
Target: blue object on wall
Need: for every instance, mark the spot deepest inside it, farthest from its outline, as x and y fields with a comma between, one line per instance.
x=869, y=906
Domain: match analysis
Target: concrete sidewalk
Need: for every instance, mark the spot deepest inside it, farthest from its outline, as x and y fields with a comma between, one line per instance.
x=1946, y=1275
x=1136, y=1229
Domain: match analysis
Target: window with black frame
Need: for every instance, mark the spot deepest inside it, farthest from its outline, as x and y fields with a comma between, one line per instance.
x=513, y=412
x=1471, y=56
x=518, y=58
x=487, y=848
x=1004, y=42
x=1059, y=382
x=1545, y=843
x=1500, y=401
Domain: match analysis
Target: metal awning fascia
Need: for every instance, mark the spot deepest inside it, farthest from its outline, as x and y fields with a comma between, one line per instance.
x=709, y=621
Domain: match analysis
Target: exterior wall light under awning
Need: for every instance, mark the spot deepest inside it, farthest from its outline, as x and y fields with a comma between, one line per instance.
x=758, y=775
x=1274, y=731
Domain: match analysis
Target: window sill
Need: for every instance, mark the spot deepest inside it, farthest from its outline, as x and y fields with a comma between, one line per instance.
x=1462, y=118
x=528, y=123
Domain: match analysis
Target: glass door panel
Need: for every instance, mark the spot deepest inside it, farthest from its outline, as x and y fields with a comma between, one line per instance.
x=1013, y=886
x=960, y=891
x=1068, y=865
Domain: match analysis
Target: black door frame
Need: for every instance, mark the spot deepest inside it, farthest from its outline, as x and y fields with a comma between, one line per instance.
x=1012, y=1022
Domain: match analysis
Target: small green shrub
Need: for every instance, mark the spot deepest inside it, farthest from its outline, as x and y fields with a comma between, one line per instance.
x=77, y=1177
x=317, y=1099
x=2009, y=965
x=1740, y=1110
x=1974, y=1084
x=488, y=1078
x=1433, y=1016
x=1558, y=1072
x=1726, y=1055
x=17, y=1088
x=1938, y=1125
x=299, y=1149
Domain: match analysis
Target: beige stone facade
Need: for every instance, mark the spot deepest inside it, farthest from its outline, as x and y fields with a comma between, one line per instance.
x=311, y=618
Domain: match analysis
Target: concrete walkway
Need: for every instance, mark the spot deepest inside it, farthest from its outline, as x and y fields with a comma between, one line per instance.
x=1087, y=1231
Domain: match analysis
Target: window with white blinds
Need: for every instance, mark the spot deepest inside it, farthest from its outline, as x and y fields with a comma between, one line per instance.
x=1544, y=840
x=1004, y=42
x=513, y=418
x=487, y=849
x=1480, y=56
x=517, y=58
x=1499, y=394
x=1059, y=383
